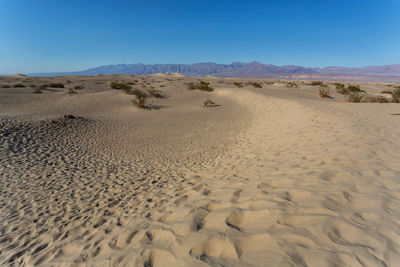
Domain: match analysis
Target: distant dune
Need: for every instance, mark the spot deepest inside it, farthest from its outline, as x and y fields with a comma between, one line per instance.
x=248, y=70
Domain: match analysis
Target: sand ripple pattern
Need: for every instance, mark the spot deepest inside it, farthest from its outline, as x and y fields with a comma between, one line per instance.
x=300, y=186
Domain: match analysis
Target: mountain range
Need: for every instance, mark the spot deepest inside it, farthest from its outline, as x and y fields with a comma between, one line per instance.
x=249, y=70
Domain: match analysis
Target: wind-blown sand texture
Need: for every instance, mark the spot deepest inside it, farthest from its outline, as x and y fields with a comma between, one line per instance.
x=271, y=176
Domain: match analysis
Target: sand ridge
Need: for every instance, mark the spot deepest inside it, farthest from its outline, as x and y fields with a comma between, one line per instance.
x=271, y=177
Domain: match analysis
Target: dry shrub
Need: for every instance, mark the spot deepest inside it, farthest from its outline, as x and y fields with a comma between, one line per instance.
x=78, y=87
x=37, y=90
x=238, y=84
x=202, y=86
x=120, y=86
x=324, y=93
x=155, y=93
x=291, y=85
x=71, y=91
x=396, y=95
x=209, y=103
x=140, y=99
x=18, y=85
x=318, y=83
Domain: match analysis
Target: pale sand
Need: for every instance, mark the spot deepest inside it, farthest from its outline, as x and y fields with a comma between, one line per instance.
x=270, y=177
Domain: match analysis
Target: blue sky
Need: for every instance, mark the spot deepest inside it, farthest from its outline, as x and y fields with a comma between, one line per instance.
x=67, y=35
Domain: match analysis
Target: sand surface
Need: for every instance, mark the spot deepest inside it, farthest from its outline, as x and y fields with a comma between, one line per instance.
x=271, y=176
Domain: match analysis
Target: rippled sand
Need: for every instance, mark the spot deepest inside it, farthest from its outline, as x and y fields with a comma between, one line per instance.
x=271, y=176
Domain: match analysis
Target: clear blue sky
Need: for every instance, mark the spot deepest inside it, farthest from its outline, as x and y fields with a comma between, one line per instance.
x=66, y=35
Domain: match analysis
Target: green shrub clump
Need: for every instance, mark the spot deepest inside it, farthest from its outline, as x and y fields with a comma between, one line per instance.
x=396, y=95
x=256, y=84
x=202, y=86
x=318, y=83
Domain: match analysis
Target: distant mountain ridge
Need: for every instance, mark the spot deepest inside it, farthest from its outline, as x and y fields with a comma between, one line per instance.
x=237, y=69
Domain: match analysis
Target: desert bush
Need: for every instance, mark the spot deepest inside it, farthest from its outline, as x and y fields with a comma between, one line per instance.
x=140, y=99
x=355, y=98
x=374, y=99
x=72, y=91
x=396, y=95
x=43, y=86
x=354, y=89
x=155, y=93
x=56, y=85
x=256, y=84
x=120, y=85
x=68, y=81
x=238, y=84
x=202, y=86
x=318, y=83
x=208, y=103
x=340, y=88
x=18, y=85
x=37, y=90
x=324, y=93
x=387, y=92
x=33, y=86
x=291, y=85
x=359, y=98
x=78, y=87
x=5, y=86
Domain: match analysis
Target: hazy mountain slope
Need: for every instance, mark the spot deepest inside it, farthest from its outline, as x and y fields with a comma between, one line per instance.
x=236, y=69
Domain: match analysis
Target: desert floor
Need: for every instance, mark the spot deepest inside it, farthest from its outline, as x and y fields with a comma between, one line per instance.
x=270, y=176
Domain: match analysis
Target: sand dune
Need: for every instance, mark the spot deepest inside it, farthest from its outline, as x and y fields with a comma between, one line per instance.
x=271, y=176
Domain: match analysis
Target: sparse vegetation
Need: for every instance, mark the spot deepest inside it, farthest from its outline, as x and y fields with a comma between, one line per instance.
x=341, y=89
x=238, y=84
x=5, y=86
x=374, y=99
x=140, y=99
x=33, y=86
x=318, y=83
x=18, y=85
x=355, y=89
x=324, y=93
x=120, y=85
x=291, y=85
x=155, y=93
x=68, y=81
x=355, y=98
x=37, y=90
x=43, y=86
x=364, y=98
x=202, y=86
x=78, y=87
x=256, y=84
x=209, y=103
x=396, y=95
x=56, y=85
x=387, y=92
x=71, y=91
